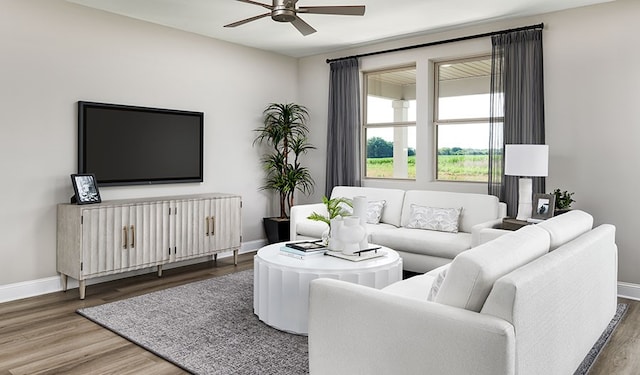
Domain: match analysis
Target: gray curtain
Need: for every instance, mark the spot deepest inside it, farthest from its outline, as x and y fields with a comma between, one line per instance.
x=344, y=127
x=517, y=96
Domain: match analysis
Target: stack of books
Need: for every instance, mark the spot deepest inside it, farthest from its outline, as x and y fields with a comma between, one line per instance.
x=304, y=249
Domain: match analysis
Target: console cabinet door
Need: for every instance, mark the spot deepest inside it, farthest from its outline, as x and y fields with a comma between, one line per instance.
x=223, y=217
x=201, y=227
x=187, y=228
x=123, y=238
x=148, y=234
x=101, y=253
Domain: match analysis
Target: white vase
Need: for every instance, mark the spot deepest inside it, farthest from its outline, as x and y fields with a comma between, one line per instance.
x=351, y=234
x=360, y=205
x=360, y=208
x=334, y=242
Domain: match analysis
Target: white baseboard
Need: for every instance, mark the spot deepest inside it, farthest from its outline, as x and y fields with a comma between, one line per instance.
x=32, y=288
x=628, y=290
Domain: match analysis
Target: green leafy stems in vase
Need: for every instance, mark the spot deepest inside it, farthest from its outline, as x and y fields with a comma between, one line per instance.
x=335, y=208
x=563, y=200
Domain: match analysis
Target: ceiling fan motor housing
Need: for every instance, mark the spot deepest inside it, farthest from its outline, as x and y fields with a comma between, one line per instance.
x=283, y=10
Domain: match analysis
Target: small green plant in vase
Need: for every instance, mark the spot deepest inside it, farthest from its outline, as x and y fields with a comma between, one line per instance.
x=335, y=208
x=563, y=200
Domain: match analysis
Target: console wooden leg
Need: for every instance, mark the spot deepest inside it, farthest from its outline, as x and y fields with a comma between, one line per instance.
x=215, y=257
x=160, y=270
x=82, y=287
x=235, y=257
x=64, y=278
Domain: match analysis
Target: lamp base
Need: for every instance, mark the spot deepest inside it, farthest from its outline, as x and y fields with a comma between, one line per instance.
x=525, y=192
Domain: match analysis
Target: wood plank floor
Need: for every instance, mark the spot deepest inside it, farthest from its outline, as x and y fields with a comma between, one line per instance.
x=44, y=335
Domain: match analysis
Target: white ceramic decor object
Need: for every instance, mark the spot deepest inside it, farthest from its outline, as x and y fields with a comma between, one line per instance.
x=350, y=235
x=334, y=242
x=360, y=205
x=360, y=208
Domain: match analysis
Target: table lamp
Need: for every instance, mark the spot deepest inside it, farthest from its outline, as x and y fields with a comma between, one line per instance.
x=526, y=161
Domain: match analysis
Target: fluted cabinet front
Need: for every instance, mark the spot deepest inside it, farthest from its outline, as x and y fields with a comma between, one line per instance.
x=124, y=238
x=120, y=236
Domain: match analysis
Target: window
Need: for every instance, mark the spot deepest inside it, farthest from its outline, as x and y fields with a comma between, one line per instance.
x=461, y=119
x=390, y=124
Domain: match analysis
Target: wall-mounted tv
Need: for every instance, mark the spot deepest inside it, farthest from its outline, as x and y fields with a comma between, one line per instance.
x=129, y=145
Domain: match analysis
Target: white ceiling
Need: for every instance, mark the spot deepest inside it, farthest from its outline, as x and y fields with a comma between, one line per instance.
x=383, y=20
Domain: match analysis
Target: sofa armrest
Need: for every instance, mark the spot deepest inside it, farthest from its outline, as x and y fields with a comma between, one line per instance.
x=359, y=330
x=301, y=212
x=485, y=232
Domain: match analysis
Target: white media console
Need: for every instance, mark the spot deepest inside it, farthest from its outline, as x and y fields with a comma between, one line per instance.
x=124, y=235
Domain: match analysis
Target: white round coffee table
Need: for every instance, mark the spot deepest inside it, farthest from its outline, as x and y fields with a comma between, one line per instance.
x=281, y=283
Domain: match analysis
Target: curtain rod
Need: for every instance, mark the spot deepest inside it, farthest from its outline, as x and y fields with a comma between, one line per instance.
x=531, y=27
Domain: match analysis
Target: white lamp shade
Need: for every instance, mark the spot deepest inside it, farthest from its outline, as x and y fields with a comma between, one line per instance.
x=526, y=160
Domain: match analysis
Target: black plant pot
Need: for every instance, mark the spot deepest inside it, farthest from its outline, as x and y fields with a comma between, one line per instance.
x=277, y=229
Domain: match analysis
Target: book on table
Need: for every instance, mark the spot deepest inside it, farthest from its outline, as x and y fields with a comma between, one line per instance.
x=366, y=254
x=301, y=254
x=307, y=246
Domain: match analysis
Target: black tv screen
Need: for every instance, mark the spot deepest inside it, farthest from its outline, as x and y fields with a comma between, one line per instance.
x=128, y=145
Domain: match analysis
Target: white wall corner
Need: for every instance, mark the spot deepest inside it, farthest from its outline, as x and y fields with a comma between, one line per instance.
x=32, y=288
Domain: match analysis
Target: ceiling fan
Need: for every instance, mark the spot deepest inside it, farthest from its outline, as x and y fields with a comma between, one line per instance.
x=286, y=11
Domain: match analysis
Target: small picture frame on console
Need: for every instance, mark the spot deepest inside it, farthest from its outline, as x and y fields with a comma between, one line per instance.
x=543, y=206
x=85, y=188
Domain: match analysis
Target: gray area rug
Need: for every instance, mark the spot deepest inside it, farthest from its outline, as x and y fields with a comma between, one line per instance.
x=208, y=327
x=591, y=357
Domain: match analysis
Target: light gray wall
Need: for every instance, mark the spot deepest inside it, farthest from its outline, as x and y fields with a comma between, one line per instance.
x=592, y=85
x=55, y=53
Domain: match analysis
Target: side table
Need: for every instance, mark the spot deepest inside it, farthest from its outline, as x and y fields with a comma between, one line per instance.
x=509, y=223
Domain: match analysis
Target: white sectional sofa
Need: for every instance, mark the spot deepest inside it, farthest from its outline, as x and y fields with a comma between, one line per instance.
x=533, y=301
x=421, y=250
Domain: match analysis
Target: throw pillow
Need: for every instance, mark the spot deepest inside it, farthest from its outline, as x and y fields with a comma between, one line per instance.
x=434, y=218
x=374, y=211
x=437, y=283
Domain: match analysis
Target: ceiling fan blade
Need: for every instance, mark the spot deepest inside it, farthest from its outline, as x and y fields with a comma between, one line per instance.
x=256, y=3
x=346, y=10
x=304, y=28
x=247, y=20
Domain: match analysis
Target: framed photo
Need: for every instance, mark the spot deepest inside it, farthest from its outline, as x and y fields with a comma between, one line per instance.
x=84, y=185
x=543, y=206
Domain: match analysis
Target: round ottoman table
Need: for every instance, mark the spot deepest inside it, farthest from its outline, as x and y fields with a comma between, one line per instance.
x=281, y=283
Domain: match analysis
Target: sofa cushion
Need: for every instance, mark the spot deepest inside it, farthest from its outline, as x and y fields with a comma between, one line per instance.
x=566, y=227
x=472, y=273
x=476, y=208
x=314, y=229
x=393, y=198
x=416, y=286
x=434, y=218
x=427, y=242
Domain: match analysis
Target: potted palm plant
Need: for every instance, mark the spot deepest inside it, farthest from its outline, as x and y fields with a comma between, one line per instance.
x=284, y=132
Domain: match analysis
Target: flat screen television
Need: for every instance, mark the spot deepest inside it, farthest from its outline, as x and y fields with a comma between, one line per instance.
x=129, y=145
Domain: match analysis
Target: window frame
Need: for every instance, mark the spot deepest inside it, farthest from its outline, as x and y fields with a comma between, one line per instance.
x=395, y=124
x=462, y=121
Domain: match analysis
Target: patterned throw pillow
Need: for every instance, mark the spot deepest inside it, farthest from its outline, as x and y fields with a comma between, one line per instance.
x=374, y=211
x=437, y=283
x=433, y=218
